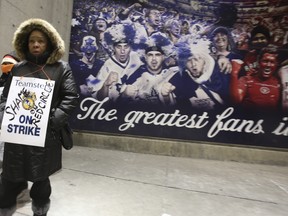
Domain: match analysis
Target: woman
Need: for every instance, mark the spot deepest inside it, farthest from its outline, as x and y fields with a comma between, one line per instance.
x=40, y=47
x=223, y=44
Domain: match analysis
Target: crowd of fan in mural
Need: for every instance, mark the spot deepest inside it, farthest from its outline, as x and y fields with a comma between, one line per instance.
x=142, y=55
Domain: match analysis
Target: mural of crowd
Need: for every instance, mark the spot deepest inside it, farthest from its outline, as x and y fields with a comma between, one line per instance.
x=140, y=55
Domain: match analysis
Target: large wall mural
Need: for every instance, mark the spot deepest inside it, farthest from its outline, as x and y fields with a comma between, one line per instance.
x=213, y=71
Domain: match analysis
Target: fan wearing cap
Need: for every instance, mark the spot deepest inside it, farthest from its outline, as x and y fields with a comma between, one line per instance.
x=156, y=83
x=88, y=66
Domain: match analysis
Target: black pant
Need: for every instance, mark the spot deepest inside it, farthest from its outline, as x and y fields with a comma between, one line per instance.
x=40, y=192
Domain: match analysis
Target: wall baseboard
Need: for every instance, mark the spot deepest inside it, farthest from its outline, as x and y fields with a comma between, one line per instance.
x=178, y=148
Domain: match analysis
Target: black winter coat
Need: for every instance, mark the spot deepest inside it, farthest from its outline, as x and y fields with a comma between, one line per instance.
x=23, y=162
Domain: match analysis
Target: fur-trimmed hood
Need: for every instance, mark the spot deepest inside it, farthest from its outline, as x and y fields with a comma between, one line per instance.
x=20, y=40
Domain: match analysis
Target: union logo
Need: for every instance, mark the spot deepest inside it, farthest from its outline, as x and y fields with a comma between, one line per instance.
x=28, y=101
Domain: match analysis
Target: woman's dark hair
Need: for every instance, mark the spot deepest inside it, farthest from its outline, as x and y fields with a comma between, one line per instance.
x=50, y=47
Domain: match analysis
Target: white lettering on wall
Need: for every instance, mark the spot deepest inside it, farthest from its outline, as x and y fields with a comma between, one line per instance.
x=234, y=125
x=95, y=110
x=282, y=128
x=164, y=119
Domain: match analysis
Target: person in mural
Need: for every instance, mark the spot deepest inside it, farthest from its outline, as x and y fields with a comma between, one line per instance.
x=223, y=46
x=283, y=59
x=152, y=20
x=99, y=27
x=278, y=37
x=77, y=19
x=120, y=66
x=153, y=83
x=185, y=26
x=77, y=33
x=77, y=25
x=283, y=74
x=202, y=81
x=87, y=67
x=279, y=30
x=196, y=31
x=241, y=41
x=39, y=45
x=151, y=23
x=172, y=29
x=260, y=38
x=89, y=22
x=261, y=91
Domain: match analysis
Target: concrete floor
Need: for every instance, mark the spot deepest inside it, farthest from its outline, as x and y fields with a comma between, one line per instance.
x=96, y=182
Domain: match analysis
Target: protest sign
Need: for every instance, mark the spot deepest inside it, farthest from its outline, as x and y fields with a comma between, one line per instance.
x=27, y=111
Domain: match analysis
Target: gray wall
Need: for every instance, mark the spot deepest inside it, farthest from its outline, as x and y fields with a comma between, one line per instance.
x=13, y=12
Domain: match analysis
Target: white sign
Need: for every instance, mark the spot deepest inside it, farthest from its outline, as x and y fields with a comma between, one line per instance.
x=27, y=111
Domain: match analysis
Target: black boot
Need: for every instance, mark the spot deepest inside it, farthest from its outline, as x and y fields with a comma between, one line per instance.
x=40, y=209
x=7, y=211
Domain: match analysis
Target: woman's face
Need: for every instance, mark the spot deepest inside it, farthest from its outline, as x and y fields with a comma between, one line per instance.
x=221, y=41
x=37, y=43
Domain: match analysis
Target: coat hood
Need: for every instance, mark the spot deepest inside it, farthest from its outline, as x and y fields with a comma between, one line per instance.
x=20, y=40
